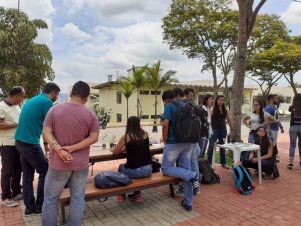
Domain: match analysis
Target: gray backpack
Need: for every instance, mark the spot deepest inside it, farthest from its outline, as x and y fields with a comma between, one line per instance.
x=111, y=179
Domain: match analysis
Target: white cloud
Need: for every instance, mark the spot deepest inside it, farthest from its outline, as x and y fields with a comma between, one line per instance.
x=72, y=31
x=293, y=14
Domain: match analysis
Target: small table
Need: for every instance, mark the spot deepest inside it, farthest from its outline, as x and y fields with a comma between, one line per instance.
x=237, y=148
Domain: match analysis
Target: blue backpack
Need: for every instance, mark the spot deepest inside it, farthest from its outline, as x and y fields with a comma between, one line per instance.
x=111, y=179
x=243, y=182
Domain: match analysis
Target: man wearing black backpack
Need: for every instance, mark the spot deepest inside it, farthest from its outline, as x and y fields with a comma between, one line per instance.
x=176, y=150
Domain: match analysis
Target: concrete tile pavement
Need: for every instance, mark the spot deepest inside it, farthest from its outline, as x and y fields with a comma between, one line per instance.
x=276, y=202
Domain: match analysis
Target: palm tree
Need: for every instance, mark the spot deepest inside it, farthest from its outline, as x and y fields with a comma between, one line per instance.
x=127, y=89
x=138, y=81
x=157, y=81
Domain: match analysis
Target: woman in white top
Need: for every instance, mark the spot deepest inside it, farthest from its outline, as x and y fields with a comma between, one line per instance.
x=253, y=120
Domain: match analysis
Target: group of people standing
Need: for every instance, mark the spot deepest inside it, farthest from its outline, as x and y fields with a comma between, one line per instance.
x=68, y=131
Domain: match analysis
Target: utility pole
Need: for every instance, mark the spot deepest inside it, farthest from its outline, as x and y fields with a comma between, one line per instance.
x=18, y=6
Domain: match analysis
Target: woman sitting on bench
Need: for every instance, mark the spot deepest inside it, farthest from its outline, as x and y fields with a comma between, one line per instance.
x=265, y=143
x=138, y=165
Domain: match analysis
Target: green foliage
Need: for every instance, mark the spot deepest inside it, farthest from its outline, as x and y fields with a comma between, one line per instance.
x=22, y=62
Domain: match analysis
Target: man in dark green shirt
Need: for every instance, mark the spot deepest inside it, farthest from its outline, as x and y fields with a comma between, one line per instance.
x=27, y=138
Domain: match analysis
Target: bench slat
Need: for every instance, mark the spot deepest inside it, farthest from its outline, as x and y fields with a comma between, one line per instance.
x=156, y=179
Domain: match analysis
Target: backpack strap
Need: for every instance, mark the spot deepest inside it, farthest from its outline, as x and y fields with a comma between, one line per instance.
x=248, y=175
x=239, y=179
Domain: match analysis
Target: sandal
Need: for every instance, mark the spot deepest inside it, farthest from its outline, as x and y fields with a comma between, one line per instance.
x=290, y=166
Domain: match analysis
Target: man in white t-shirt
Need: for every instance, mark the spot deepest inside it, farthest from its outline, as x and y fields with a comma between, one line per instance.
x=10, y=158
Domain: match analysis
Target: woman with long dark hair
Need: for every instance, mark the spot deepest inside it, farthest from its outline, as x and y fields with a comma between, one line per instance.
x=253, y=120
x=138, y=164
x=266, y=150
x=295, y=129
x=219, y=115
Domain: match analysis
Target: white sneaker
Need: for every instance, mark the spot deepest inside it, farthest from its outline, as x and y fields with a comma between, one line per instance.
x=18, y=197
x=179, y=193
x=9, y=203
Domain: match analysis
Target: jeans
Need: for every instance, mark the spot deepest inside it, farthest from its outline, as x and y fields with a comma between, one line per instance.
x=182, y=152
x=220, y=135
x=203, y=146
x=266, y=165
x=143, y=171
x=294, y=132
x=32, y=158
x=11, y=172
x=54, y=185
x=245, y=154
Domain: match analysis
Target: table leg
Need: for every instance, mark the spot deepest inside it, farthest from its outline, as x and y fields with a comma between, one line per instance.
x=236, y=155
x=213, y=156
x=63, y=220
x=92, y=164
x=259, y=166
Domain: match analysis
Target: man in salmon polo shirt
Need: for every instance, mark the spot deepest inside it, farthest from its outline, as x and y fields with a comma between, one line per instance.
x=69, y=129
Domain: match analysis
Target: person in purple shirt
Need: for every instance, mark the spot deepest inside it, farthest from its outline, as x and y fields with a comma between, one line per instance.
x=69, y=129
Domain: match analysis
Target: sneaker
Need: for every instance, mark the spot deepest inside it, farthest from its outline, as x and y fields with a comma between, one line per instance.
x=29, y=211
x=290, y=166
x=9, y=203
x=179, y=193
x=120, y=198
x=136, y=198
x=186, y=207
x=195, y=184
x=18, y=197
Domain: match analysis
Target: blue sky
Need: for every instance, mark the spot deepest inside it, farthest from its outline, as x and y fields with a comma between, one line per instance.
x=90, y=39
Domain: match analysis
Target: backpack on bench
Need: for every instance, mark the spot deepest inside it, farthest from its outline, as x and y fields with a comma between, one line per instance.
x=243, y=182
x=111, y=179
x=209, y=176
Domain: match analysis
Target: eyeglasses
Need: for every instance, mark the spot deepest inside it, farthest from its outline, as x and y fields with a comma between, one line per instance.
x=256, y=104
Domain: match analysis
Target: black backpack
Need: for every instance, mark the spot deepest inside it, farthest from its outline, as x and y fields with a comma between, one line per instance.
x=209, y=176
x=203, y=116
x=186, y=125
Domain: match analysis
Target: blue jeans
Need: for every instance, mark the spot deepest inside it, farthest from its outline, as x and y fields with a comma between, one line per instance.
x=54, y=185
x=141, y=172
x=295, y=132
x=32, y=158
x=220, y=135
x=203, y=146
x=181, y=152
x=245, y=154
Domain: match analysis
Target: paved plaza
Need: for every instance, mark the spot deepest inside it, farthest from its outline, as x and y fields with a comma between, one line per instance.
x=275, y=202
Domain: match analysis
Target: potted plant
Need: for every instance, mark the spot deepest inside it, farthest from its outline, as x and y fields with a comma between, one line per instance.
x=104, y=139
x=113, y=141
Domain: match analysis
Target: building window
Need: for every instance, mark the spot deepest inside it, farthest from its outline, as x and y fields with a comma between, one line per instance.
x=154, y=92
x=118, y=118
x=144, y=92
x=144, y=116
x=118, y=97
x=153, y=116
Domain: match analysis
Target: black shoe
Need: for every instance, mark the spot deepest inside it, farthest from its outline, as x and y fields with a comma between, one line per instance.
x=38, y=211
x=195, y=184
x=29, y=211
x=186, y=207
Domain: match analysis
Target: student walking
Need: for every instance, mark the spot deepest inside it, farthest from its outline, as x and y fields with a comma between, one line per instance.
x=70, y=139
x=27, y=137
x=295, y=129
x=10, y=159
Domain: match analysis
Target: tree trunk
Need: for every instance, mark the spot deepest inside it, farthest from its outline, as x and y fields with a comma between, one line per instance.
x=138, y=92
x=239, y=71
x=293, y=84
x=127, y=109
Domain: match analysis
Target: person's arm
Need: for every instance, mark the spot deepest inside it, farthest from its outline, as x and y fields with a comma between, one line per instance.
x=120, y=146
x=246, y=121
x=165, y=126
x=91, y=139
x=54, y=145
x=267, y=156
x=229, y=121
x=281, y=127
x=271, y=119
x=7, y=125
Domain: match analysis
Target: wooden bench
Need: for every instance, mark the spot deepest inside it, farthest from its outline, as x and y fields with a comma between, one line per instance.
x=92, y=192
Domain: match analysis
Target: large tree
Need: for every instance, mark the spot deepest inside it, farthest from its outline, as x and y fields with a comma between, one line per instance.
x=247, y=18
x=204, y=30
x=156, y=80
x=22, y=61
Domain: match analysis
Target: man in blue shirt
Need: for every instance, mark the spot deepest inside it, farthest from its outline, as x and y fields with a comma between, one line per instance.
x=174, y=151
x=27, y=138
x=271, y=108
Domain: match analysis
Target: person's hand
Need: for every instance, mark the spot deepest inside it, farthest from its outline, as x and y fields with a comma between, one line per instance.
x=282, y=130
x=68, y=149
x=65, y=156
x=254, y=160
